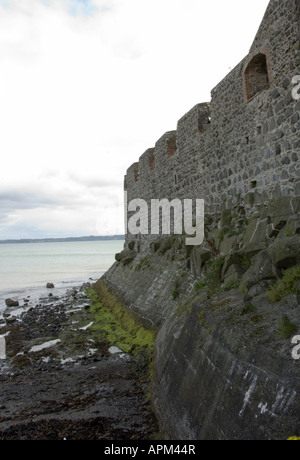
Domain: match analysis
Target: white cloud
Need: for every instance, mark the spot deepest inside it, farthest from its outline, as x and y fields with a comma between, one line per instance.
x=86, y=86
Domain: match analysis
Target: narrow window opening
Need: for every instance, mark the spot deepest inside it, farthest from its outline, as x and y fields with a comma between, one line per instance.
x=175, y=179
x=136, y=172
x=171, y=146
x=256, y=76
x=151, y=162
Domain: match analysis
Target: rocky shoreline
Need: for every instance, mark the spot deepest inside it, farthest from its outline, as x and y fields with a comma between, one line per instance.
x=59, y=381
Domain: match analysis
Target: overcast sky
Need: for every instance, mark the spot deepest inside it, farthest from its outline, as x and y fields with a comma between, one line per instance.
x=86, y=86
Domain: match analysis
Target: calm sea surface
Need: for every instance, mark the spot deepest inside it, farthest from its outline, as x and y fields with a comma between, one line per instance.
x=26, y=268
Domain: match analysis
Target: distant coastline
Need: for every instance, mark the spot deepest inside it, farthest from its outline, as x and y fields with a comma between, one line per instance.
x=65, y=240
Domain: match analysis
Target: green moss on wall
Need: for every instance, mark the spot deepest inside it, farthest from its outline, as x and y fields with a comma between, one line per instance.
x=213, y=275
x=116, y=324
x=285, y=286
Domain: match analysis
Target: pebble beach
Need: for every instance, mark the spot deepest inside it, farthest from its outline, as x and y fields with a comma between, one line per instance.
x=60, y=381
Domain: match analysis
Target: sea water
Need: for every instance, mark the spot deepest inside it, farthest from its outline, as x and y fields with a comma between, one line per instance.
x=26, y=268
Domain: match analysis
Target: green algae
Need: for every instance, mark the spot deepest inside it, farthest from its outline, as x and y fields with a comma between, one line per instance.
x=116, y=324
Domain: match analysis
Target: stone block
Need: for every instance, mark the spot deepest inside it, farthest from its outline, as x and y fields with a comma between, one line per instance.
x=279, y=211
x=226, y=218
x=292, y=227
x=227, y=244
x=234, y=273
x=285, y=252
x=126, y=256
x=250, y=229
x=261, y=269
x=256, y=232
x=199, y=257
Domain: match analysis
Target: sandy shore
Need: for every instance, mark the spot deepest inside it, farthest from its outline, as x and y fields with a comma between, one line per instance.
x=60, y=382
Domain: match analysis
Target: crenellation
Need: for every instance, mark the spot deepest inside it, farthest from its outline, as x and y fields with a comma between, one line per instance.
x=197, y=120
x=164, y=143
x=133, y=184
x=144, y=162
x=248, y=134
x=151, y=159
x=147, y=173
x=165, y=158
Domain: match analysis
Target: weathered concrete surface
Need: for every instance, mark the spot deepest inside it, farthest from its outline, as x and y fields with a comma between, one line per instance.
x=219, y=374
x=147, y=283
x=221, y=369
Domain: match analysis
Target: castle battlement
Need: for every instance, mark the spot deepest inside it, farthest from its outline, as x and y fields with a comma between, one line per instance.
x=245, y=139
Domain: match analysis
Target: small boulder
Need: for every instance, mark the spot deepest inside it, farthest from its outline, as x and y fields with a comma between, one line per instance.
x=126, y=256
x=279, y=211
x=50, y=286
x=11, y=303
x=285, y=253
x=199, y=257
x=226, y=218
x=261, y=269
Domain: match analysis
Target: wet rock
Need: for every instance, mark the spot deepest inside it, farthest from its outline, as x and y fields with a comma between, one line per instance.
x=11, y=303
x=57, y=386
x=50, y=286
x=11, y=319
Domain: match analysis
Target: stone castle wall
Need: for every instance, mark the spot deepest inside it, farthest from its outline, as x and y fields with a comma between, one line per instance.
x=222, y=364
x=246, y=139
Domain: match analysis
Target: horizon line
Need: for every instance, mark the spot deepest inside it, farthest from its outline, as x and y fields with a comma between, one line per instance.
x=63, y=239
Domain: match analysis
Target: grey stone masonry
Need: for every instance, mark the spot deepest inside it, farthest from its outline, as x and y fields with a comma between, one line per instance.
x=246, y=138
